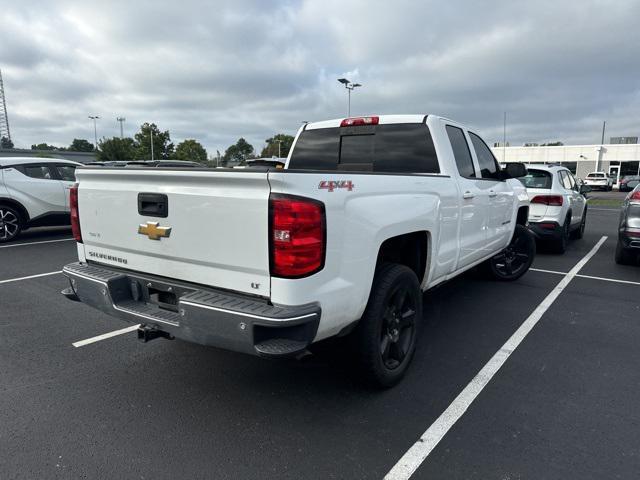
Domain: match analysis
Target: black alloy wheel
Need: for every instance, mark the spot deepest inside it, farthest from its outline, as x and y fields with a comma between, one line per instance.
x=385, y=338
x=398, y=327
x=515, y=260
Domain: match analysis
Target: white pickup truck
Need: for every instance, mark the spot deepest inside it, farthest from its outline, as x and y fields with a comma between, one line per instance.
x=368, y=213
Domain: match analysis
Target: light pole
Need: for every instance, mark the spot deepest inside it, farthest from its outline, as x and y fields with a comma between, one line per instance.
x=95, y=130
x=504, y=139
x=279, y=148
x=349, y=86
x=151, y=132
x=121, y=120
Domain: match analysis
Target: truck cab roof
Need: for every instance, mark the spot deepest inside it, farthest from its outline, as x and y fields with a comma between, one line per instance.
x=382, y=120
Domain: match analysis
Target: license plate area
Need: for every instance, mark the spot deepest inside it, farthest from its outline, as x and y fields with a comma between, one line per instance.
x=163, y=299
x=156, y=293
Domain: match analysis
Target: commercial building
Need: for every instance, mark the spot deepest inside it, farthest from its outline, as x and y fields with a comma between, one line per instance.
x=616, y=159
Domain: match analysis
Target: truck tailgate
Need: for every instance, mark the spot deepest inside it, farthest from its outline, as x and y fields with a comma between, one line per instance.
x=218, y=224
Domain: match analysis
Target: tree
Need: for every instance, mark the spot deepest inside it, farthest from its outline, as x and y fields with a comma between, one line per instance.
x=190, y=150
x=162, y=146
x=44, y=146
x=80, y=145
x=276, y=149
x=238, y=153
x=116, y=148
x=552, y=144
x=6, y=142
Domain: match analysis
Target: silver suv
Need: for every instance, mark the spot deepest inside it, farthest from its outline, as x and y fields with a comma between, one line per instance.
x=34, y=192
x=558, y=206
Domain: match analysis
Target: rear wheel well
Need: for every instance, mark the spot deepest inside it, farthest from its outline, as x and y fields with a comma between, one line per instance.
x=24, y=215
x=523, y=216
x=410, y=249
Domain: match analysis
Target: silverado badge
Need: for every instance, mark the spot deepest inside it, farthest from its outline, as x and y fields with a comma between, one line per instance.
x=153, y=230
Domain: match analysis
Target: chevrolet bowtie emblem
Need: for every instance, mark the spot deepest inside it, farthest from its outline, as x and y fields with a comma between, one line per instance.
x=153, y=230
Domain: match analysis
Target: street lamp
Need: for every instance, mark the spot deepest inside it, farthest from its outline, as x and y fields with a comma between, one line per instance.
x=95, y=129
x=349, y=86
x=279, y=147
x=121, y=120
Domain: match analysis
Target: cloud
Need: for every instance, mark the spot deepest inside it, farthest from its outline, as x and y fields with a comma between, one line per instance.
x=218, y=71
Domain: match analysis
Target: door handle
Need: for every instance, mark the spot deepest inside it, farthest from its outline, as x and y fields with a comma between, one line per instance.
x=492, y=193
x=468, y=195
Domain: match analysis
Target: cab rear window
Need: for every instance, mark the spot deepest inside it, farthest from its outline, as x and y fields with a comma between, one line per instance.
x=537, y=179
x=394, y=148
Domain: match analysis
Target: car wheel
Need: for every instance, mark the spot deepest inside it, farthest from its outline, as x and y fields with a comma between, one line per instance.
x=515, y=260
x=387, y=332
x=579, y=233
x=560, y=245
x=10, y=223
x=623, y=255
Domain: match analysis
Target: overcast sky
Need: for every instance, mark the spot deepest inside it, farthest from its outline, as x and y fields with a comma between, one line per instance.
x=218, y=70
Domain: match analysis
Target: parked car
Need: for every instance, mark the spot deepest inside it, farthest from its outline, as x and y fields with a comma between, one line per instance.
x=267, y=162
x=558, y=206
x=368, y=213
x=34, y=192
x=628, y=247
x=629, y=182
x=165, y=163
x=600, y=181
x=147, y=163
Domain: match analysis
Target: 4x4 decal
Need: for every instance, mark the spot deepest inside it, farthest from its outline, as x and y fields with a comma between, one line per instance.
x=331, y=185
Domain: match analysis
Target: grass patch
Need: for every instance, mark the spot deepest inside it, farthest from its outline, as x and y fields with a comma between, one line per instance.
x=605, y=202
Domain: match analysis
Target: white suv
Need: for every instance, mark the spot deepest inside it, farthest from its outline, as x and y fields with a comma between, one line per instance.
x=34, y=192
x=599, y=180
x=558, y=206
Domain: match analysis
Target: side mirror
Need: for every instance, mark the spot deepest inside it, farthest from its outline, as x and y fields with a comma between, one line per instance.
x=584, y=189
x=514, y=170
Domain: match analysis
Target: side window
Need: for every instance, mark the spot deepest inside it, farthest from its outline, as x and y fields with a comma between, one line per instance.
x=461, y=151
x=564, y=179
x=38, y=171
x=489, y=167
x=67, y=172
x=574, y=184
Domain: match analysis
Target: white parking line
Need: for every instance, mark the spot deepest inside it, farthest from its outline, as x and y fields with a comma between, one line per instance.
x=104, y=336
x=546, y=271
x=30, y=276
x=36, y=243
x=420, y=450
x=608, y=279
x=604, y=279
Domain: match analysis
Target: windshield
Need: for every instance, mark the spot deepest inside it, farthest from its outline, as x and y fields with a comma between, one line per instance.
x=536, y=179
x=595, y=175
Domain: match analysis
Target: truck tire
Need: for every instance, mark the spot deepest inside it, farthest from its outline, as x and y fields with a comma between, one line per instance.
x=10, y=223
x=385, y=338
x=515, y=260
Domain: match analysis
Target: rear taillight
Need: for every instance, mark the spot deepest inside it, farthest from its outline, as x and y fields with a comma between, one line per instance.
x=297, y=229
x=635, y=196
x=551, y=200
x=75, y=218
x=356, y=121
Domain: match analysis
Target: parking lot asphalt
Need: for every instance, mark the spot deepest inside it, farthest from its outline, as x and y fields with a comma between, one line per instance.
x=564, y=405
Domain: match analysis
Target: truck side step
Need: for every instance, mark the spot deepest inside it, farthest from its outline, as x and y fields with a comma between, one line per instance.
x=281, y=347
